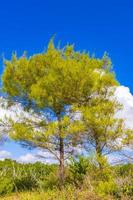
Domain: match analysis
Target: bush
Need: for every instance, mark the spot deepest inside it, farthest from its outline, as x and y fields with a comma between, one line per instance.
x=84, y=178
x=6, y=186
x=78, y=169
x=105, y=188
x=23, y=177
x=50, y=181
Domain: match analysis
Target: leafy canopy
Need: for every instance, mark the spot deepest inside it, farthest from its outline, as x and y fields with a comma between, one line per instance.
x=58, y=79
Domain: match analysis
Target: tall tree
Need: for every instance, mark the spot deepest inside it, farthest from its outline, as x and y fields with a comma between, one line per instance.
x=55, y=80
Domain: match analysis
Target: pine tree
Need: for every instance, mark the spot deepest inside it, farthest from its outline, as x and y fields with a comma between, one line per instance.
x=56, y=80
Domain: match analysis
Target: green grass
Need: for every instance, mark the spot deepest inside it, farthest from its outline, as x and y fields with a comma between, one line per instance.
x=66, y=194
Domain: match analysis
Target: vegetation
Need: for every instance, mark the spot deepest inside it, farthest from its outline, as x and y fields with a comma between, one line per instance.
x=84, y=180
x=73, y=94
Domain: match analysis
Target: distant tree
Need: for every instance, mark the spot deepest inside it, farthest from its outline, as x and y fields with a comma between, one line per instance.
x=55, y=80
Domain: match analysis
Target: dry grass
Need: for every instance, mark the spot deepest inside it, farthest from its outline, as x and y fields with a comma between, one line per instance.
x=65, y=194
x=68, y=194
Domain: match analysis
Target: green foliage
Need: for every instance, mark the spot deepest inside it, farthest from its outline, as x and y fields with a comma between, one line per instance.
x=85, y=179
x=60, y=77
x=49, y=182
x=78, y=169
x=124, y=179
x=55, y=79
x=20, y=177
x=6, y=185
x=103, y=128
x=105, y=188
x=64, y=194
x=106, y=181
x=116, y=181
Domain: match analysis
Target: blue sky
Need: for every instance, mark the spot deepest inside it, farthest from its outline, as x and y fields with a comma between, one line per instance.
x=93, y=25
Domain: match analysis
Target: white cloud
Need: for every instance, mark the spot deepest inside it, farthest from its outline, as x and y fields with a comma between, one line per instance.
x=16, y=113
x=27, y=158
x=42, y=156
x=4, y=154
x=125, y=97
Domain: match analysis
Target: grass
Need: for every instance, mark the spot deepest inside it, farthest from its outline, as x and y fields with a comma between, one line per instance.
x=66, y=194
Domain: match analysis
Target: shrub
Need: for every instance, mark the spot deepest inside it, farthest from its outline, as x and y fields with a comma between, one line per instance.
x=105, y=188
x=6, y=186
x=78, y=169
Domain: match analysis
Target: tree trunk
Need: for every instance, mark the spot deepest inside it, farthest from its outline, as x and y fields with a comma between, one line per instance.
x=61, y=168
x=99, y=153
x=98, y=149
x=61, y=154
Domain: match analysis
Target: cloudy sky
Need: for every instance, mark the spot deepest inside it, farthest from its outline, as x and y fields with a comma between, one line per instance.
x=96, y=26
